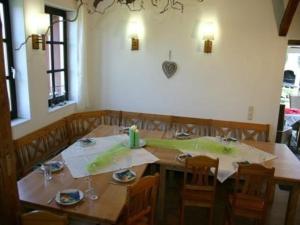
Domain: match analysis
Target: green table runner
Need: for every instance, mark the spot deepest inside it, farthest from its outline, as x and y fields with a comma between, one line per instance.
x=198, y=145
x=107, y=157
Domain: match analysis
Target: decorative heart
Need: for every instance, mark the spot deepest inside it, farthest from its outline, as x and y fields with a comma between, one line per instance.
x=169, y=68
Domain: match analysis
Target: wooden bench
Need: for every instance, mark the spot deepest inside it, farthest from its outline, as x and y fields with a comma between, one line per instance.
x=48, y=141
x=40, y=145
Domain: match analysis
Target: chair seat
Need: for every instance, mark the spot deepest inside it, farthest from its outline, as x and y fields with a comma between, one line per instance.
x=246, y=203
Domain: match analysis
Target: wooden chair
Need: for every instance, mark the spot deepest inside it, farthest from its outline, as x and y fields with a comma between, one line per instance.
x=240, y=130
x=199, y=184
x=141, y=202
x=40, y=217
x=253, y=187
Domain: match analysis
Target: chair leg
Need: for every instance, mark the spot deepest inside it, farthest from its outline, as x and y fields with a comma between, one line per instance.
x=230, y=217
x=272, y=194
x=211, y=212
x=181, y=214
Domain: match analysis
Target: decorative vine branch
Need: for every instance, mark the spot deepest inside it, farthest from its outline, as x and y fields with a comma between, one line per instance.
x=170, y=4
x=130, y=4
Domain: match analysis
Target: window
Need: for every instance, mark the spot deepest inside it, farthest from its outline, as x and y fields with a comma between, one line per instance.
x=8, y=57
x=56, y=53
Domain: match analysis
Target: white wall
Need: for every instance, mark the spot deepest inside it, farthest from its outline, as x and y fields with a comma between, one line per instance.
x=245, y=68
x=34, y=77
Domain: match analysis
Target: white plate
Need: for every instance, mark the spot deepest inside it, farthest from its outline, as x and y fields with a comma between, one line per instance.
x=142, y=143
x=57, y=197
x=85, y=142
x=131, y=178
x=183, y=156
x=53, y=170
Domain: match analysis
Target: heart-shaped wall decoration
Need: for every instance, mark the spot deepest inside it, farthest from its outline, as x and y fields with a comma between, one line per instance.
x=169, y=68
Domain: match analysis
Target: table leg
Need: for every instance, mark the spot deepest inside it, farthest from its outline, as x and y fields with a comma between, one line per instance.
x=292, y=205
x=162, y=191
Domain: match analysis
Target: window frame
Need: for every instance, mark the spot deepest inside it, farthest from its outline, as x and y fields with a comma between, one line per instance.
x=55, y=100
x=10, y=59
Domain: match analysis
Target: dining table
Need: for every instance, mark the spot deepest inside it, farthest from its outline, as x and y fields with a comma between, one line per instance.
x=37, y=193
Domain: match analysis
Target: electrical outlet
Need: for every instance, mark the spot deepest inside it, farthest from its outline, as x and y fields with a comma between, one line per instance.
x=250, y=112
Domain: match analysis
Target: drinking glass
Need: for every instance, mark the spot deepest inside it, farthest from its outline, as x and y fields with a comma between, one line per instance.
x=47, y=172
x=90, y=191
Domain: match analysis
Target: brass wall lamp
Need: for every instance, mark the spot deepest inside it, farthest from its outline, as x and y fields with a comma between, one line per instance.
x=135, y=43
x=208, y=37
x=37, y=40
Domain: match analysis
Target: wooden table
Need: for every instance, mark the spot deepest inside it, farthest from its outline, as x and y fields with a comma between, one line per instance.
x=286, y=166
x=35, y=193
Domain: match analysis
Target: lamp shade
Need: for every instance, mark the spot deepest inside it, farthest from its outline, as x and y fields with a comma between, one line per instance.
x=208, y=31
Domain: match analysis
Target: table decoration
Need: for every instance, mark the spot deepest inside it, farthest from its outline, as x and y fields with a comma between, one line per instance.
x=197, y=145
x=106, y=158
x=134, y=137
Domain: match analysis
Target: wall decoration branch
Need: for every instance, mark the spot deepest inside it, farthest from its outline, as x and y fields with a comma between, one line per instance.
x=138, y=5
x=169, y=67
x=96, y=6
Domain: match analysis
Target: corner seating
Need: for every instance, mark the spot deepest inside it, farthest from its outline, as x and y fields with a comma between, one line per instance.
x=48, y=141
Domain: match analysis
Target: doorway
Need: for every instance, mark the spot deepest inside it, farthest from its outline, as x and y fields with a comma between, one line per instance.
x=289, y=113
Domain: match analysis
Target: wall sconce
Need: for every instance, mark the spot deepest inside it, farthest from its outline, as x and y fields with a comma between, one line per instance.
x=135, y=42
x=208, y=37
x=135, y=31
x=37, y=39
x=40, y=26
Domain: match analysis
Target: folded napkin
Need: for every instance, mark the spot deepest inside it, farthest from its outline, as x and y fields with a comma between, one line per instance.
x=55, y=165
x=182, y=135
x=125, y=175
x=69, y=197
x=230, y=139
x=184, y=156
x=87, y=141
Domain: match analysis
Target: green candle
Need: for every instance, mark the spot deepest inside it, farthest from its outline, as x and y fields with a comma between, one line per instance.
x=137, y=138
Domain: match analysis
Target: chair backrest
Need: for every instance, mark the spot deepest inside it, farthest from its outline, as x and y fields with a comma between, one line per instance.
x=141, y=200
x=254, y=180
x=201, y=173
x=40, y=217
x=295, y=101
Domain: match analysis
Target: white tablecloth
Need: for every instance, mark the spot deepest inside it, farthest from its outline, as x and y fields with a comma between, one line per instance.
x=228, y=162
x=77, y=158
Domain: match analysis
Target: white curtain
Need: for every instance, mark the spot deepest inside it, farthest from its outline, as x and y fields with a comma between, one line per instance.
x=78, y=61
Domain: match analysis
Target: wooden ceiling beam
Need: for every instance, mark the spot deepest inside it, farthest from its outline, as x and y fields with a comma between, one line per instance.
x=288, y=17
